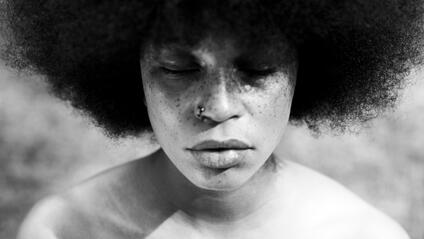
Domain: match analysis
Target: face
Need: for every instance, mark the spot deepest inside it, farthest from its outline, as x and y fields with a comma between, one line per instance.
x=246, y=92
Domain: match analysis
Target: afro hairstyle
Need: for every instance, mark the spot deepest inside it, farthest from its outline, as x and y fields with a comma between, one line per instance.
x=353, y=55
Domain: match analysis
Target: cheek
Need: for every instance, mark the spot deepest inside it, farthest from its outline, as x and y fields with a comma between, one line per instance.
x=270, y=107
x=273, y=101
x=157, y=106
x=167, y=109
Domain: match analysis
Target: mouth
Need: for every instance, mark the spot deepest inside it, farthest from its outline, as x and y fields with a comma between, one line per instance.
x=220, y=154
x=216, y=146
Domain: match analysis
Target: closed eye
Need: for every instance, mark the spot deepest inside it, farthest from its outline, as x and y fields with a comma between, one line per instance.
x=182, y=71
x=258, y=72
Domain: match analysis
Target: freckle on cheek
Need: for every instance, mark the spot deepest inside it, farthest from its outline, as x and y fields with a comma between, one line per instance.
x=178, y=102
x=188, y=118
x=260, y=110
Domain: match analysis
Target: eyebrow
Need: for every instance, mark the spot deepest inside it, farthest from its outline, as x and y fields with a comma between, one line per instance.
x=167, y=54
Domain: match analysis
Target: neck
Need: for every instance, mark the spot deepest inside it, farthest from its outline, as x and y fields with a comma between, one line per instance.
x=215, y=206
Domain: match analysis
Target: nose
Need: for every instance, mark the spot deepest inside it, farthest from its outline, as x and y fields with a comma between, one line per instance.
x=220, y=104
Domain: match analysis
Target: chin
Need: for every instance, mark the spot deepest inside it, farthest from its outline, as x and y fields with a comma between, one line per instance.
x=220, y=179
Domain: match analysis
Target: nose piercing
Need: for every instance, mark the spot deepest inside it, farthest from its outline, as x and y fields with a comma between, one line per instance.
x=199, y=111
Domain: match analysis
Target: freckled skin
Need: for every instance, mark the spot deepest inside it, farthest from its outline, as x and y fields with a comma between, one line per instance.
x=252, y=109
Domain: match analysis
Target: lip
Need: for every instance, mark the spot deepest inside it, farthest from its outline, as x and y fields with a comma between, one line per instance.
x=213, y=145
x=220, y=154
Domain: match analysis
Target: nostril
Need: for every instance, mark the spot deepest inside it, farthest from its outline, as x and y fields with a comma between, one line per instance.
x=216, y=117
x=218, y=105
x=209, y=121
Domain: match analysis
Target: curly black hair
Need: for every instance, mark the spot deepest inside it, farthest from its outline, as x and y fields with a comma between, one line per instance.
x=353, y=55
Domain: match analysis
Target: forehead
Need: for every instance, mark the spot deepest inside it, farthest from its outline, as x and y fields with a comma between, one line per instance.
x=227, y=45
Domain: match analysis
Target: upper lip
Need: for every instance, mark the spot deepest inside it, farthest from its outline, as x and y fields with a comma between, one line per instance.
x=224, y=145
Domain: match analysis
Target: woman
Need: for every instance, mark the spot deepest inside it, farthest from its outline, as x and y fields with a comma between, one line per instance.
x=217, y=82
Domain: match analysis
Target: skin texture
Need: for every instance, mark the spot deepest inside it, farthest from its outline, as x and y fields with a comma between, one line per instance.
x=172, y=194
x=253, y=109
x=130, y=201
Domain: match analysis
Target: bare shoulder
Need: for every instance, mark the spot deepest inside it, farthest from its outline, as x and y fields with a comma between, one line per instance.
x=84, y=210
x=369, y=224
x=332, y=211
x=41, y=219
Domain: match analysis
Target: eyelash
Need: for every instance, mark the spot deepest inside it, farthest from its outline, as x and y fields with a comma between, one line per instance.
x=179, y=72
x=251, y=73
x=258, y=73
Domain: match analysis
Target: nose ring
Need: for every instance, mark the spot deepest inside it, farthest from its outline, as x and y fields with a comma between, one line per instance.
x=199, y=111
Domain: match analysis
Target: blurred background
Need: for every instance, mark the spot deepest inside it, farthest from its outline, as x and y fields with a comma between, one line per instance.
x=46, y=147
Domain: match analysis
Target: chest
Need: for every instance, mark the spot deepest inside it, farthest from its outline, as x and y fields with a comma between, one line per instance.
x=179, y=226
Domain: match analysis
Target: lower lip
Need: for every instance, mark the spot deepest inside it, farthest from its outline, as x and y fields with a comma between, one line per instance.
x=220, y=159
